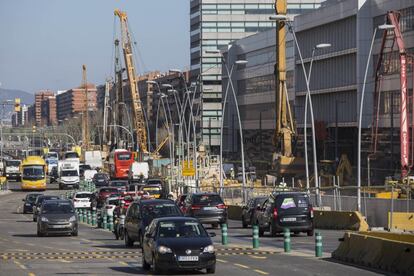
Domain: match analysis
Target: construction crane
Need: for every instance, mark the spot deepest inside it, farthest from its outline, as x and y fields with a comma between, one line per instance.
x=387, y=45
x=137, y=111
x=284, y=161
x=85, y=115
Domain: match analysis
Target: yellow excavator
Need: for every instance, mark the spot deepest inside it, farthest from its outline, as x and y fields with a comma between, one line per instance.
x=342, y=172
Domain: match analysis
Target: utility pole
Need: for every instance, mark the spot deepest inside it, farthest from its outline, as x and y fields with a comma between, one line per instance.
x=85, y=115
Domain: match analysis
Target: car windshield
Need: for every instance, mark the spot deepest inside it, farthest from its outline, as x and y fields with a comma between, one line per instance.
x=181, y=229
x=52, y=155
x=31, y=198
x=70, y=173
x=113, y=202
x=33, y=173
x=43, y=198
x=100, y=176
x=124, y=156
x=57, y=208
x=207, y=199
x=154, y=181
x=12, y=163
x=118, y=184
x=259, y=201
x=71, y=155
x=109, y=190
x=83, y=195
x=85, y=167
x=160, y=210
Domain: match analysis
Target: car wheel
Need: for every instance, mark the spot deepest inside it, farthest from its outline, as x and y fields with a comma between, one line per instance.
x=128, y=241
x=211, y=269
x=75, y=233
x=273, y=231
x=24, y=211
x=140, y=239
x=34, y=219
x=296, y=233
x=155, y=267
x=39, y=233
x=310, y=233
x=145, y=265
x=214, y=225
x=244, y=223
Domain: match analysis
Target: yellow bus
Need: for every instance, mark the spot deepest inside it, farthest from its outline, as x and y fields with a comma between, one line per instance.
x=33, y=170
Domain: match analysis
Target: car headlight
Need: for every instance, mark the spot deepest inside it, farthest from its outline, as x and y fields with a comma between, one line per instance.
x=209, y=249
x=163, y=249
x=72, y=219
x=44, y=219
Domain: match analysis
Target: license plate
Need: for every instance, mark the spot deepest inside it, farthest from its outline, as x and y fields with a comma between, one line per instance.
x=59, y=226
x=209, y=208
x=289, y=219
x=187, y=258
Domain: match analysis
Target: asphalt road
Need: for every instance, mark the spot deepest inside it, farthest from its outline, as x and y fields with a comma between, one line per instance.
x=96, y=252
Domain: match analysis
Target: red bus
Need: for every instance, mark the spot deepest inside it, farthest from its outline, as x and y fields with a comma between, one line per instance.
x=119, y=162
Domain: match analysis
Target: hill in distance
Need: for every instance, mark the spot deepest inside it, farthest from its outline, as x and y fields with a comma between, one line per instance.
x=10, y=94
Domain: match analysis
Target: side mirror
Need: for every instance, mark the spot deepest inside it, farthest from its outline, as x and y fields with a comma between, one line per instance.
x=212, y=234
x=23, y=200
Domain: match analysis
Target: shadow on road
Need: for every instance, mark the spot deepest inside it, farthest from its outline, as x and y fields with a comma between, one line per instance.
x=24, y=235
x=24, y=221
x=115, y=246
x=130, y=270
x=332, y=260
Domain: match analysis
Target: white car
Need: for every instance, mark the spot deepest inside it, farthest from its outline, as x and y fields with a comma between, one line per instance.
x=109, y=206
x=82, y=200
x=88, y=174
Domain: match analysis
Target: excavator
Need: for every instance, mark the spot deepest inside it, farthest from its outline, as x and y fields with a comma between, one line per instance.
x=284, y=163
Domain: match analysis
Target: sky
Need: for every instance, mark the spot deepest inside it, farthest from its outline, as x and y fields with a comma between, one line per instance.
x=43, y=43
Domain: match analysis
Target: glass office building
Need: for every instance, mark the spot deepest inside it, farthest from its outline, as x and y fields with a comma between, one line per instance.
x=215, y=24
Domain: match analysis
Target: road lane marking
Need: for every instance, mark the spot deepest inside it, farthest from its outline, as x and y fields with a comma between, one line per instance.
x=258, y=257
x=242, y=266
x=261, y=272
x=31, y=274
x=20, y=265
x=123, y=263
x=222, y=261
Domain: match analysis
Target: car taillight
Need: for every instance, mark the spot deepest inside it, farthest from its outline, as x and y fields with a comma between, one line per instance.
x=221, y=206
x=311, y=211
x=194, y=207
x=274, y=213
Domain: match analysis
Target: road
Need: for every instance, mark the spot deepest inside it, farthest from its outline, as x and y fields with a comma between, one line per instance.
x=96, y=252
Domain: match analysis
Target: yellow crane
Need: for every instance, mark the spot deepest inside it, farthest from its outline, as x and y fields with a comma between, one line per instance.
x=284, y=162
x=137, y=111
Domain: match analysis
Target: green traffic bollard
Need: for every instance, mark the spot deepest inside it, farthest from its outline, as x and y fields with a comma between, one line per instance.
x=318, y=245
x=88, y=216
x=110, y=223
x=80, y=216
x=93, y=218
x=84, y=215
x=255, y=236
x=224, y=239
x=105, y=221
x=286, y=240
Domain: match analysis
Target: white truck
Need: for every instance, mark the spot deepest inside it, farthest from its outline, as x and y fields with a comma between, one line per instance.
x=93, y=159
x=68, y=174
x=12, y=169
x=138, y=170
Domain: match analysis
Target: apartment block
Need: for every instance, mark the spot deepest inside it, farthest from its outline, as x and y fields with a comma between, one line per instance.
x=72, y=102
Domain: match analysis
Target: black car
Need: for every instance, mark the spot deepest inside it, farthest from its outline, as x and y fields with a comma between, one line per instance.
x=140, y=214
x=209, y=208
x=286, y=210
x=83, y=168
x=100, y=180
x=249, y=210
x=38, y=204
x=57, y=216
x=121, y=185
x=29, y=201
x=178, y=243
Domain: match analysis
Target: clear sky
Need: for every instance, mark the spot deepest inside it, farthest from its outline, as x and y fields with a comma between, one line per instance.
x=43, y=43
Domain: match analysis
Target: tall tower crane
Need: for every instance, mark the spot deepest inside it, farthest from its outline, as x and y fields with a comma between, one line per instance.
x=137, y=112
x=85, y=115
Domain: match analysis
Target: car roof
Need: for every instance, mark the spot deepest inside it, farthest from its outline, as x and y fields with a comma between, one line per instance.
x=205, y=193
x=56, y=200
x=155, y=201
x=77, y=193
x=126, y=181
x=175, y=219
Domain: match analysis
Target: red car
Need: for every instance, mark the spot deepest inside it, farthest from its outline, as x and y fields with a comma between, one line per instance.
x=105, y=192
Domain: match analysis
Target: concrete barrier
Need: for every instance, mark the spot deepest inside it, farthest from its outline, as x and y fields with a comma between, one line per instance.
x=234, y=212
x=340, y=220
x=401, y=237
x=370, y=250
x=401, y=221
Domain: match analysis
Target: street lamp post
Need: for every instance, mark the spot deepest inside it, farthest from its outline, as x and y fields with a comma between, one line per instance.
x=129, y=121
x=361, y=106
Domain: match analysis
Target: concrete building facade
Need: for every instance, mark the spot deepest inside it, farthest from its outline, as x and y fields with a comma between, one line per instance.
x=72, y=102
x=215, y=24
x=39, y=98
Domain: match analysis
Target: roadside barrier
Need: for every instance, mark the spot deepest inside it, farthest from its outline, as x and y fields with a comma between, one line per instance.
x=80, y=215
x=318, y=245
x=286, y=240
x=340, y=220
x=88, y=218
x=84, y=216
x=255, y=236
x=376, y=252
x=401, y=221
x=224, y=237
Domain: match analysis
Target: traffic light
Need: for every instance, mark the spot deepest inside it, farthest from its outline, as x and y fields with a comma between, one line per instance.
x=17, y=104
x=34, y=129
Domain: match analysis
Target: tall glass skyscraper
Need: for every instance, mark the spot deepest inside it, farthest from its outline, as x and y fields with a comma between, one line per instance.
x=215, y=24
